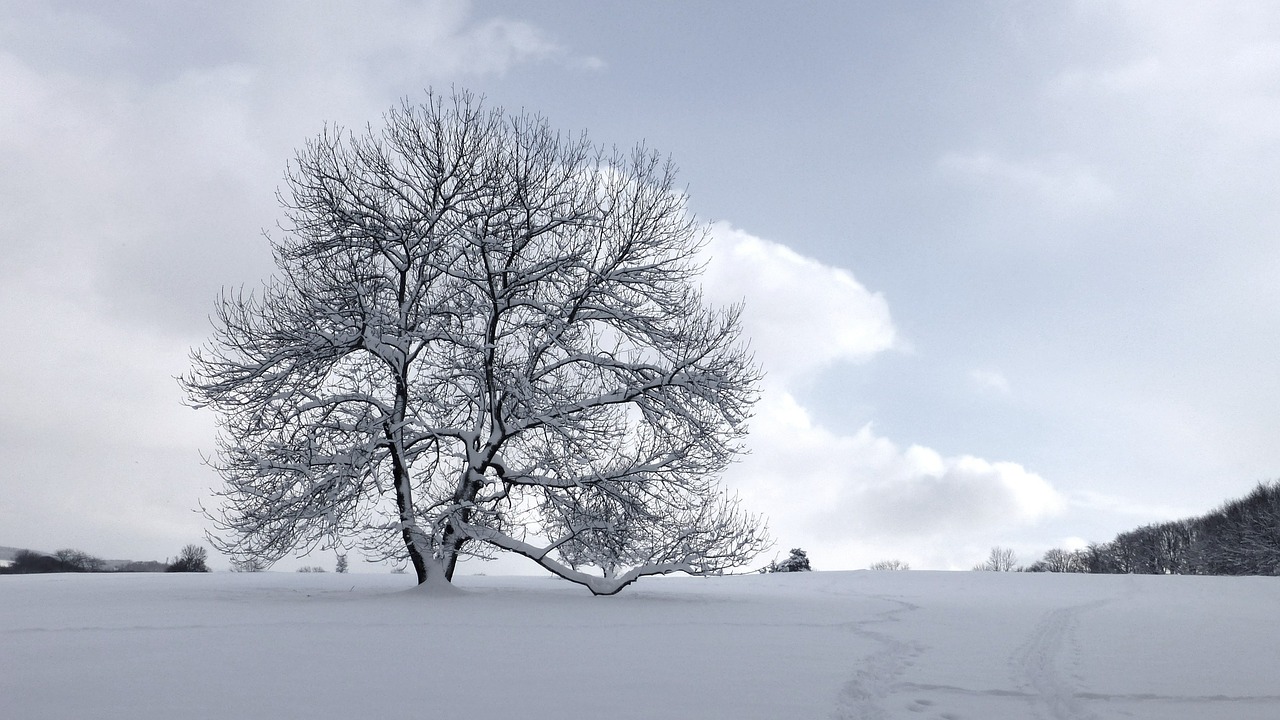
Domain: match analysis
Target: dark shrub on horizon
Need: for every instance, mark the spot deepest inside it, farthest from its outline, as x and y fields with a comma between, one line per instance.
x=192, y=559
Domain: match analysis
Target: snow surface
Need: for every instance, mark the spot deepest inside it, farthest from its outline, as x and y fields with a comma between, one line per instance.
x=973, y=645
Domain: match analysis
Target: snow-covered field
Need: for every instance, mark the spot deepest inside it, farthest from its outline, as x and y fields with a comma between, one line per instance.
x=981, y=646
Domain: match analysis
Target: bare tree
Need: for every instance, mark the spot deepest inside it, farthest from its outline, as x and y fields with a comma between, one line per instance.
x=191, y=559
x=890, y=565
x=81, y=560
x=1061, y=561
x=483, y=336
x=1001, y=559
x=1242, y=537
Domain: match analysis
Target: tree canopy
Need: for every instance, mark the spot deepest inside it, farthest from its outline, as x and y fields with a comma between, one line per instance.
x=483, y=335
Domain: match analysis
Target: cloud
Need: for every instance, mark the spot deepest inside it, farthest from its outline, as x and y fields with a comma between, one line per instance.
x=78, y=372
x=802, y=316
x=139, y=163
x=1072, y=543
x=99, y=453
x=161, y=162
x=851, y=496
x=830, y=486
x=1196, y=77
x=1060, y=182
x=1095, y=501
x=393, y=42
x=991, y=381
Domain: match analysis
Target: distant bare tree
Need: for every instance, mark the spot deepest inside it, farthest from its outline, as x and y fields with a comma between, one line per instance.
x=1176, y=546
x=341, y=567
x=1061, y=561
x=192, y=559
x=890, y=565
x=80, y=560
x=1001, y=559
x=484, y=336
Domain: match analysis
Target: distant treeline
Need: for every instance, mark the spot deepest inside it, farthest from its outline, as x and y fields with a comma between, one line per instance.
x=1241, y=537
x=192, y=559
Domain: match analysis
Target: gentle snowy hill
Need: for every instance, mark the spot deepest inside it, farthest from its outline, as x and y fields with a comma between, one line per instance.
x=9, y=553
x=978, y=646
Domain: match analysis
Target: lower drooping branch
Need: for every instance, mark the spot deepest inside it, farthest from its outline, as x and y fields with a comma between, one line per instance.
x=596, y=584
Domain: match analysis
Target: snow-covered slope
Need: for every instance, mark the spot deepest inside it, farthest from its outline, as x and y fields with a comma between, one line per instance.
x=9, y=553
x=980, y=646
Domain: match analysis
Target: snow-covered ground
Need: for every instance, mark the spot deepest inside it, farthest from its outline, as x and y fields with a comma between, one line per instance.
x=980, y=646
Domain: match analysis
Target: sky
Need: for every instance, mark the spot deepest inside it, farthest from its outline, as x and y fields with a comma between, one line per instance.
x=1010, y=267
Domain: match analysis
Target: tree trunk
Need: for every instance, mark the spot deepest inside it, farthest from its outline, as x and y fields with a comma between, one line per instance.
x=452, y=562
x=404, y=504
x=415, y=557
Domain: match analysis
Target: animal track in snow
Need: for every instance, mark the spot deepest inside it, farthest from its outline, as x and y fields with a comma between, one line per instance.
x=861, y=697
x=1053, y=694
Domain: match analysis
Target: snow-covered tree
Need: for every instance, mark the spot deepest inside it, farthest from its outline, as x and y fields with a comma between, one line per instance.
x=483, y=336
x=797, y=561
x=1240, y=538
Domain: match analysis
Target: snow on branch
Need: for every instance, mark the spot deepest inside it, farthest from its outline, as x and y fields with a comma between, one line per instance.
x=481, y=331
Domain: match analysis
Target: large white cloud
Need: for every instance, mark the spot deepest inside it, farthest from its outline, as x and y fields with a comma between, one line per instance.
x=850, y=495
x=855, y=494
x=801, y=315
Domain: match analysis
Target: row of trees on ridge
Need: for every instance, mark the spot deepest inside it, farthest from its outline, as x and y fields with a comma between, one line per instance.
x=1242, y=537
x=192, y=558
